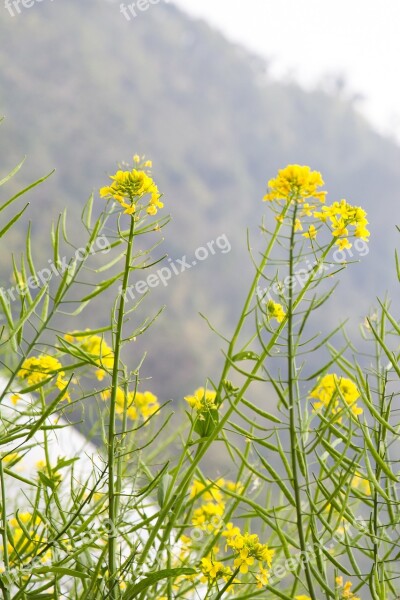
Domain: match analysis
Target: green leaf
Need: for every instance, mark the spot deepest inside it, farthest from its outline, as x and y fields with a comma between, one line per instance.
x=204, y=427
x=378, y=458
x=247, y=355
x=86, y=215
x=29, y=311
x=12, y=173
x=259, y=411
x=102, y=287
x=61, y=571
x=13, y=220
x=397, y=265
x=23, y=191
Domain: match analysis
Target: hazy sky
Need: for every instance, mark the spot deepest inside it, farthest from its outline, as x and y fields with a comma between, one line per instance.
x=309, y=39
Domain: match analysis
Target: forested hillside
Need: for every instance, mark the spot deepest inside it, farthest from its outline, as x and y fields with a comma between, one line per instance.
x=83, y=88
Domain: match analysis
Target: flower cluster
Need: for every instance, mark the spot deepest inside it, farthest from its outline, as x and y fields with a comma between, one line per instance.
x=250, y=557
x=213, y=570
x=39, y=369
x=344, y=589
x=248, y=550
x=203, y=401
x=208, y=516
x=295, y=183
x=130, y=187
x=341, y=216
x=331, y=389
x=98, y=349
x=275, y=311
x=138, y=404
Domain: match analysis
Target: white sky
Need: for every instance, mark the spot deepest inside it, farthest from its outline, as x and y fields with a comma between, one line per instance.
x=309, y=39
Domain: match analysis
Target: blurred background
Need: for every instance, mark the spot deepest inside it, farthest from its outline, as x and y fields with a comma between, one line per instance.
x=220, y=94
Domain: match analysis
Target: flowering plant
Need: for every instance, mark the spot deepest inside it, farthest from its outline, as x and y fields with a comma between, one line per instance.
x=307, y=504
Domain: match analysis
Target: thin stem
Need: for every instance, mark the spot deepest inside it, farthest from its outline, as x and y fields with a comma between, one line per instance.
x=6, y=592
x=112, y=471
x=294, y=403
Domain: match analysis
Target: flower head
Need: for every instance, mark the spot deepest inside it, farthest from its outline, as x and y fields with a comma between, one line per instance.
x=275, y=311
x=137, y=404
x=202, y=400
x=295, y=183
x=311, y=234
x=341, y=216
x=42, y=368
x=214, y=570
x=331, y=389
x=129, y=188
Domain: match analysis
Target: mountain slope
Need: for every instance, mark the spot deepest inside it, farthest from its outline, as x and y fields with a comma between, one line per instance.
x=82, y=88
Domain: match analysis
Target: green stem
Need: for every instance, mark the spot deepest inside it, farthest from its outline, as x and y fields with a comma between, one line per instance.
x=6, y=592
x=112, y=484
x=294, y=404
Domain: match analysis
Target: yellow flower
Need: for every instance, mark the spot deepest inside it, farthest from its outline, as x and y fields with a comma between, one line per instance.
x=202, y=400
x=275, y=311
x=12, y=457
x=307, y=209
x=343, y=215
x=146, y=403
x=262, y=578
x=343, y=244
x=339, y=227
x=208, y=492
x=362, y=233
x=244, y=561
x=298, y=226
x=331, y=388
x=295, y=182
x=231, y=531
x=247, y=548
x=137, y=403
x=361, y=483
x=302, y=597
x=208, y=516
x=345, y=589
x=311, y=233
x=38, y=369
x=236, y=487
x=213, y=570
x=130, y=187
